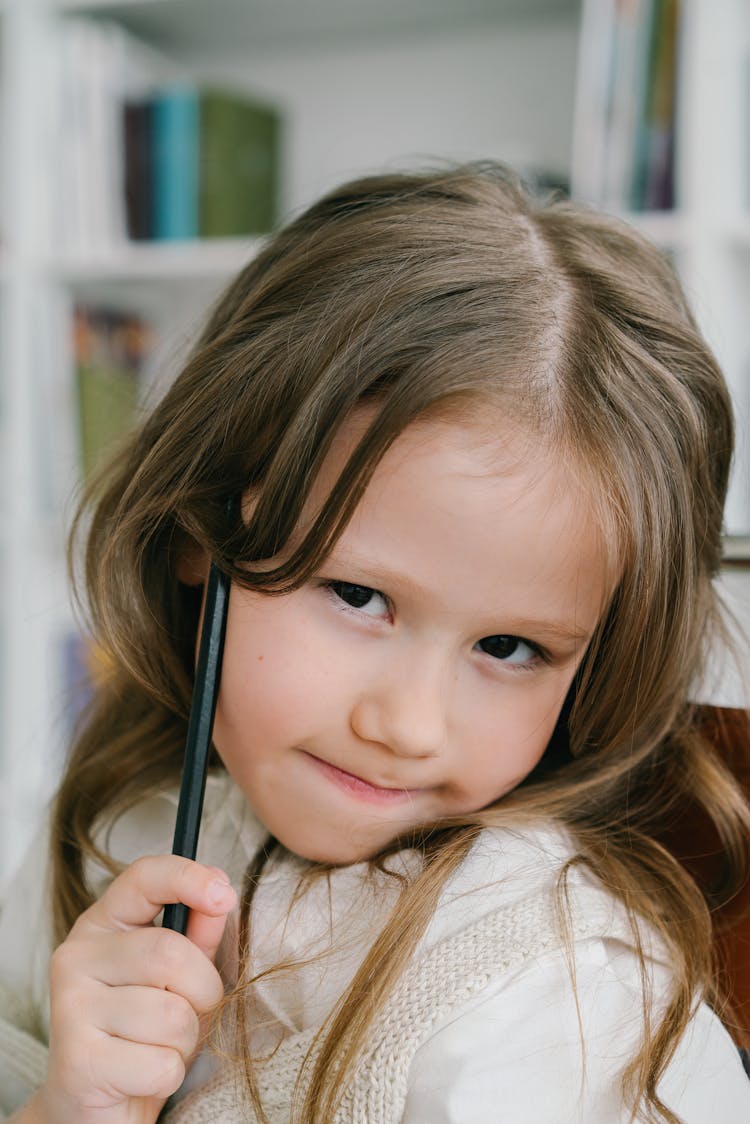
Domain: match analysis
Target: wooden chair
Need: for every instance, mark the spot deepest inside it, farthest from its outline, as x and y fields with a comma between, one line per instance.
x=694, y=841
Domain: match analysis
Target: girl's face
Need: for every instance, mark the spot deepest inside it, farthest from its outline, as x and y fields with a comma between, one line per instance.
x=421, y=672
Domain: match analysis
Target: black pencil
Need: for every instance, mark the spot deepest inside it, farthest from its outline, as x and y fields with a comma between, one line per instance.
x=200, y=726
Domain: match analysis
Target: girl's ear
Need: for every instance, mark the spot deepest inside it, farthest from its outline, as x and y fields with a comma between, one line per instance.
x=192, y=565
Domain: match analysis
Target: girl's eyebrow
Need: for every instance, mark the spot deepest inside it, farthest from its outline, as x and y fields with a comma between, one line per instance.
x=556, y=629
x=382, y=578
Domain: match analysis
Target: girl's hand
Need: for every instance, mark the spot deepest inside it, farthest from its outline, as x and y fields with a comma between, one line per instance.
x=126, y=998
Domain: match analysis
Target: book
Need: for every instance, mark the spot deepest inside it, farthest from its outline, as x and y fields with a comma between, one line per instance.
x=201, y=163
x=637, y=164
x=145, y=152
x=101, y=67
x=175, y=162
x=593, y=99
x=626, y=104
x=656, y=188
x=110, y=349
x=138, y=121
x=239, y=165
x=628, y=91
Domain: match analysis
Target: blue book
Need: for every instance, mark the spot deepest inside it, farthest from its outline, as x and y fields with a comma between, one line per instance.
x=176, y=157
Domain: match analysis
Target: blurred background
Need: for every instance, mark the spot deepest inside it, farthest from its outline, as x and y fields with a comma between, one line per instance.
x=147, y=147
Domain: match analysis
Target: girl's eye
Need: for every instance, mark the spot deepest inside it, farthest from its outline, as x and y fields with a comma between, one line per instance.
x=360, y=597
x=509, y=649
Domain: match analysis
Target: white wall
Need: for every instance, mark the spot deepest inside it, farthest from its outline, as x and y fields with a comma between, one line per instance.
x=463, y=96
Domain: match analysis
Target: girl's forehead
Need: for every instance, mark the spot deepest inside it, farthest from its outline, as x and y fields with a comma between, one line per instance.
x=475, y=519
x=442, y=449
x=460, y=442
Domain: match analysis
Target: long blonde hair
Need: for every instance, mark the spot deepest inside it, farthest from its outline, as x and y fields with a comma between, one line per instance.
x=413, y=292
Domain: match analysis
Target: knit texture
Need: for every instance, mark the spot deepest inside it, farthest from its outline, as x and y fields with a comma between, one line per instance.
x=433, y=988
x=23, y=1058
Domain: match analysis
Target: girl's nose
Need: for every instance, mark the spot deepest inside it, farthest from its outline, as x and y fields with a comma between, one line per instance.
x=403, y=709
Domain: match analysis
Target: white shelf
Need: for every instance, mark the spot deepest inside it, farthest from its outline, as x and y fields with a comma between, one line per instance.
x=676, y=230
x=92, y=6
x=669, y=229
x=159, y=261
x=737, y=549
x=253, y=25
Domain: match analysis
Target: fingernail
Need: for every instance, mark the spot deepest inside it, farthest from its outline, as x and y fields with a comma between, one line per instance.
x=220, y=893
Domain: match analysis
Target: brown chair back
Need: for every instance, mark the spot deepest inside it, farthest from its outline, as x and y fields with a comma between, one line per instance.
x=694, y=841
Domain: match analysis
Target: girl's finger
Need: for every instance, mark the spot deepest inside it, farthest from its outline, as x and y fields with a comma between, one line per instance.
x=148, y=957
x=206, y=932
x=138, y=895
x=148, y=1015
x=132, y=1069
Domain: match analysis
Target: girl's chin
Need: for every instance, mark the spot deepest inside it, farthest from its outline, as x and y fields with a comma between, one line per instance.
x=332, y=852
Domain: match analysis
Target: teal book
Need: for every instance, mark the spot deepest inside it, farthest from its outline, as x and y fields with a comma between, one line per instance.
x=175, y=162
x=239, y=165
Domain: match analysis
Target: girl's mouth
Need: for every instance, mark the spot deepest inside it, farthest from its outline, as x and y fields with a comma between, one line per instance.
x=360, y=788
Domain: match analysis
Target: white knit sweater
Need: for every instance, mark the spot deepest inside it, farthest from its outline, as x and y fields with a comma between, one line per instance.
x=436, y=985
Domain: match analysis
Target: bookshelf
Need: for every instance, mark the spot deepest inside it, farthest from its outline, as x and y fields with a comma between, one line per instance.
x=174, y=262
x=421, y=79
x=707, y=231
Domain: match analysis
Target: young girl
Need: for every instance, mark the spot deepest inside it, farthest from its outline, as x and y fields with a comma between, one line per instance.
x=478, y=454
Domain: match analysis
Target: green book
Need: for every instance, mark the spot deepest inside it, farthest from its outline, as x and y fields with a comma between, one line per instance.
x=239, y=165
x=110, y=347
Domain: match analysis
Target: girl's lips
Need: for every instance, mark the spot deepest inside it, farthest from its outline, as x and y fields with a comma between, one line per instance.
x=362, y=789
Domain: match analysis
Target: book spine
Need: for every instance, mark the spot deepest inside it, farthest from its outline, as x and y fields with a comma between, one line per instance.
x=110, y=349
x=240, y=152
x=629, y=83
x=175, y=163
x=649, y=53
x=137, y=128
x=659, y=190
x=595, y=70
